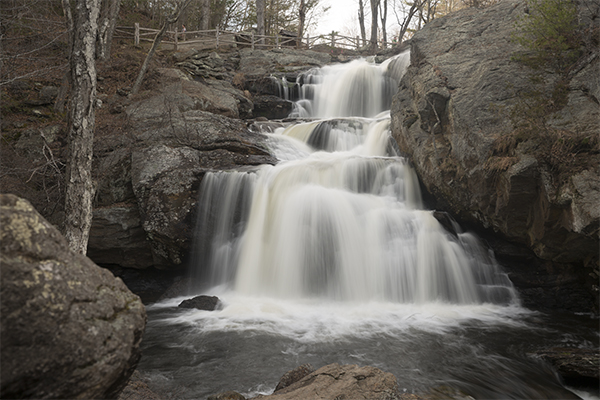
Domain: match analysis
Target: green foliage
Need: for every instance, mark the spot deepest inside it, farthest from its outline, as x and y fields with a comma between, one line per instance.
x=551, y=35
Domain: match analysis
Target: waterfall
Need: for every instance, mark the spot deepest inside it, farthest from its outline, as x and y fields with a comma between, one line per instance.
x=340, y=217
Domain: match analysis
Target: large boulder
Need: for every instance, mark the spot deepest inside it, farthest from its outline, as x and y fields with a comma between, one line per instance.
x=452, y=115
x=70, y=329
x=335, y=381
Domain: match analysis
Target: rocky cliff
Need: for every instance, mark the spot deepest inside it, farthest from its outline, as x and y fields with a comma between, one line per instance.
x=456, y=116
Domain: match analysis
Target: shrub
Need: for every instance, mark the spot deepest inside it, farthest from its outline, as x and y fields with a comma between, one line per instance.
x=551, y=35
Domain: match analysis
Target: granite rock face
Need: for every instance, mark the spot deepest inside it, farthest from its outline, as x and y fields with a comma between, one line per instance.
x=70, y=329
x=451, y=114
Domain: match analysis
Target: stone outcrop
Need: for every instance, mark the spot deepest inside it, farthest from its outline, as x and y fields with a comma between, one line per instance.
x=148, y=180
x=336, y=381
x=70, y=329
x=452, y=113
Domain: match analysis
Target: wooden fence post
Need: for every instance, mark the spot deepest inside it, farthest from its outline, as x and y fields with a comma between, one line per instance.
x=136, y=35
x=357, y=43
x=332, y=39
x=175, y=44
x=307, y=41
x=252, y=39
x=217, y=36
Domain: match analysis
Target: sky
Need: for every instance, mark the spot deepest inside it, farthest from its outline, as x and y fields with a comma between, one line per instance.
x=339, y=18
x=342, y=17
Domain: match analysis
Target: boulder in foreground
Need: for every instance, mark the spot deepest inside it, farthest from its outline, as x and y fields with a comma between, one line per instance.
x=70, y=329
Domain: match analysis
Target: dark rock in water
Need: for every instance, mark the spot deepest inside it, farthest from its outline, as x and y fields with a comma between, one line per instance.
x=578, y=367
x=229, y=395
x=208, y=303
x=446, y=221
x=69, y=329
x=294, y=376
x=336, y=381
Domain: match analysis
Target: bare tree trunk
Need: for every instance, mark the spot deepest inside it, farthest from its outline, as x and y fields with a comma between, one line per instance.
x=170, y=20
x=384, y=20
x=301, y=21
x=373, y=40
x=108, y=22
x=260, y=19
x=205, y=17
x=83, y=27
x=361, y=21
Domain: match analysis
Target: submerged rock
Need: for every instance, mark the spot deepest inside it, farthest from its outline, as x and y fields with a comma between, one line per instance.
x=70, y=329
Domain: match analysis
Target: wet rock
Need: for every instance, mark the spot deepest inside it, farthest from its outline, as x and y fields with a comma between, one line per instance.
x=70, y=329
x=272, y=107
x=336, y=381
x=207, y=303
x=578, y=367
x=294, y=376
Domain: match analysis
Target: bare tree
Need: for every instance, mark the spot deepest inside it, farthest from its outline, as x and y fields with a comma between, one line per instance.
x=82, y=25
x=361, y=21
x=383, y=13
x=407, y=18
x=205, y=15
x=108, y=22
x=173, y=18
x=260, y=19
x=301, y=21
x=374, y=21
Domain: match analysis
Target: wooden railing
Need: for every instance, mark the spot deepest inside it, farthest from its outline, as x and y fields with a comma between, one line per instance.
x=214, y=38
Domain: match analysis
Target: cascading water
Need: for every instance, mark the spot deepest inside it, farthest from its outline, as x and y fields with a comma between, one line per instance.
x=341, y=217
x=329, y=256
